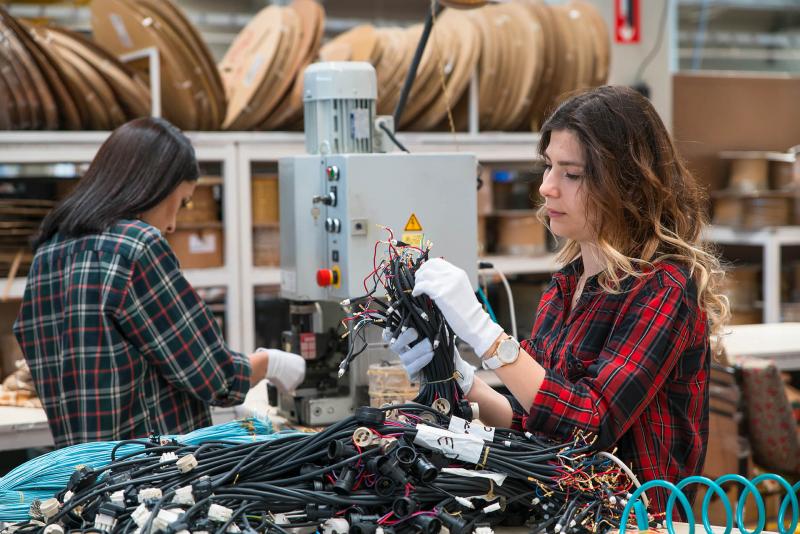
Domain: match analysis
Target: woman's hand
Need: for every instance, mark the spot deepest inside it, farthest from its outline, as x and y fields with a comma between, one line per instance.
x=285, y=370
x=450, y=289
x=416, y=357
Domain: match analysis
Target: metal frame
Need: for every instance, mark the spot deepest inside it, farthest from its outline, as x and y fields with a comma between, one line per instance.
x=772, y=240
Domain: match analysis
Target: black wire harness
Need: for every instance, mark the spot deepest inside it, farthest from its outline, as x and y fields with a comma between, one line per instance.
x=378, y=469
x=399, y=311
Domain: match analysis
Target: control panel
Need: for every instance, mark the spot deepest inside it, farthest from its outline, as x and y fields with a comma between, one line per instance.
x=335, y=208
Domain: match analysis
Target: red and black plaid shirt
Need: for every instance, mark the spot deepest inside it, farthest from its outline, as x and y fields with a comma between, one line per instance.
x=631, y=368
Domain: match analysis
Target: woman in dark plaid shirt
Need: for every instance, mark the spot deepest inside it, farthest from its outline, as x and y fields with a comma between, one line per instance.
x=620, y=345
x=118, y=342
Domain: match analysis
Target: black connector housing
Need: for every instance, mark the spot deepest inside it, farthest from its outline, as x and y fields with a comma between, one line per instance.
x=427, y=524
x=344, y=484
x=369, y=416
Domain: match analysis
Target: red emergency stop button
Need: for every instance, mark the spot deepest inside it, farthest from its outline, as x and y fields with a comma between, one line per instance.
x=328, y=277
x=324, y=277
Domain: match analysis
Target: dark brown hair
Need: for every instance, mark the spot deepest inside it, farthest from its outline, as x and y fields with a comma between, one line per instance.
x=647, y=205
x=137, y=167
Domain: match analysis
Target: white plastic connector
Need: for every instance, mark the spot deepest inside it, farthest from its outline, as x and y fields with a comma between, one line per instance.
x=164, y=519
x=184, y=495
x=168, y=457
x=336, y=525
x=491, y=508
x=466, y=503
x=186, y=463
x=612, y=499
x=219, y=513
x=476, y=410
x=140, y=515
x=55, y=528
x=104, y=522
x=49, y=508
x=278, y=519
x=558, y=528
x=149, y=493
x=483, y=530
x=67, y=496
x=363, y=437
x=233, y=528
x=118, y=497
x=387, y=444
x=535, y=501
x=441, y=405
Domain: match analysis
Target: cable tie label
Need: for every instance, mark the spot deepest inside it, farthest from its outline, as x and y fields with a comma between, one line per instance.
x=462, y=426
x=463, y=447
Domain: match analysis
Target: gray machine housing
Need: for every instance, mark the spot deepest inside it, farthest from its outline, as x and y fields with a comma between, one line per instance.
x=370, y=191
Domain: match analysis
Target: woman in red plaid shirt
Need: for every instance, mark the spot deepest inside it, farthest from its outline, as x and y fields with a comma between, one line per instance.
x=620, y=345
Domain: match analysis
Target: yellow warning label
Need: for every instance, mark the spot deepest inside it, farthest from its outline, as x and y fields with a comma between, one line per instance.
x=413, y=224
x=415, y=240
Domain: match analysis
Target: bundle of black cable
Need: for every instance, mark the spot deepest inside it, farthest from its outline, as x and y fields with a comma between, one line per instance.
x=370, y=470
x=439, y=387
x=438, y=378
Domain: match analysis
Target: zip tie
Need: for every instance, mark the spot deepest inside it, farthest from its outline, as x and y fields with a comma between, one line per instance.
x=482, y=465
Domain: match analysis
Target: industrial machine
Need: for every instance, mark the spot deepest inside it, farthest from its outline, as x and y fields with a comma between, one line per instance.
x=336, y=203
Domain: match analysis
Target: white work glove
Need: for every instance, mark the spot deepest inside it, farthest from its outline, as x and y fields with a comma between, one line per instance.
x=450, y=289
x=416, y=357
x=285, y=370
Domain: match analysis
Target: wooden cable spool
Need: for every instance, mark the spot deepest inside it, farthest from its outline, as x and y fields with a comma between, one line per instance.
x=69, y=117
x=462, y=60
x=19, y=107
x=600, y=40
x=281, y=75
x=105, y=112
x=29, y=103
x=566, y=76
x=255, y=67
x=201, y=53
x=312, y=18
x=124, y=26
x=132, y=93
x=529, y=46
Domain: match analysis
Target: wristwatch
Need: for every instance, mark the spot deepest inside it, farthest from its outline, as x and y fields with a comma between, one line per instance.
x=506, y=353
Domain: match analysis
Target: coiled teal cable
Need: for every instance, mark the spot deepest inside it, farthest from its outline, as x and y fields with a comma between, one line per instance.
x=750, y=487
x=44, y=476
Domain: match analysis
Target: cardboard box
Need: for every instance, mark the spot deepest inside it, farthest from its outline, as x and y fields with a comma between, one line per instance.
x=198, y=247
x=267, y=246
x=9, y=348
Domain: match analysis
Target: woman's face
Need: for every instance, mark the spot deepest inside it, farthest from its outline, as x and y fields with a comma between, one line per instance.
x=565, y=197
x=163, y=214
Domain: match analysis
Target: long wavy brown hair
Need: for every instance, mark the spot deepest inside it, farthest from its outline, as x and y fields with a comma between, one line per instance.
x=647, y=204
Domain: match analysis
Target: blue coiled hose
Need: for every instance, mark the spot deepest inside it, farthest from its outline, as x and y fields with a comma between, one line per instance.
x=715, y=486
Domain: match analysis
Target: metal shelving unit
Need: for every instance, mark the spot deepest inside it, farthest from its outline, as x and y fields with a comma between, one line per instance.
x=771, y=240
x=59, y=148
x=236, y=152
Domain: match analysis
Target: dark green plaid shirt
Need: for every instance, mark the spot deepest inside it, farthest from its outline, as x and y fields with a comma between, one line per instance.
x=119, y=343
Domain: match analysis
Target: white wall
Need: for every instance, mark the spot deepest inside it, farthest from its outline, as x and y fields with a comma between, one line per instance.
x=626, y=58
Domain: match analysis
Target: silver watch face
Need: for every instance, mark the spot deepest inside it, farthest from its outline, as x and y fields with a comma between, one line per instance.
x=508, y=350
